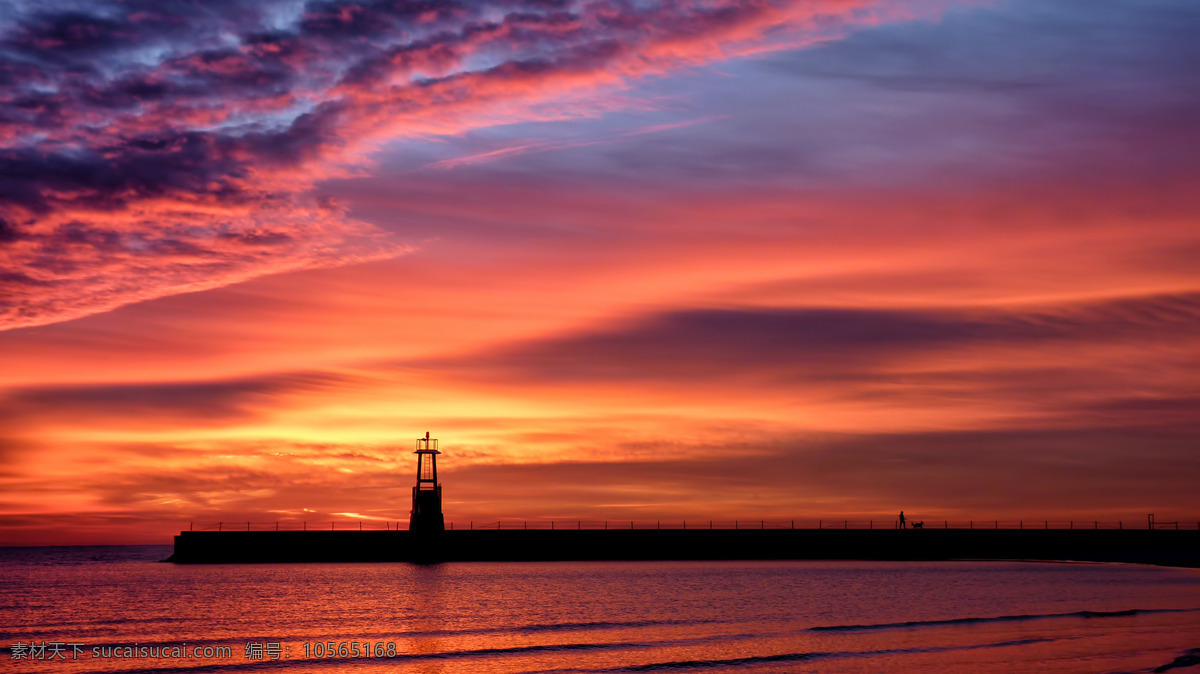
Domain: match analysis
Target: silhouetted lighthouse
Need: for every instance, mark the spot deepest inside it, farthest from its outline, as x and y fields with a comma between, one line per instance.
x=426, y=515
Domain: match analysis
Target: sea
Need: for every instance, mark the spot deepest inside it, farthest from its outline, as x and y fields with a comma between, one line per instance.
x=122, y=609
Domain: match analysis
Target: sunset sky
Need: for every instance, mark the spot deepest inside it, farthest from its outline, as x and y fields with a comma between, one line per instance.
x=626, y=259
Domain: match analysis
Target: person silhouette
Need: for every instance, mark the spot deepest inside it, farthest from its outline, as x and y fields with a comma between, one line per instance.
x=902, y=521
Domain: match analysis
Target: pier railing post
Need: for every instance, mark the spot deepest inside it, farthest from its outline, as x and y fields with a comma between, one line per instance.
x=218, y=526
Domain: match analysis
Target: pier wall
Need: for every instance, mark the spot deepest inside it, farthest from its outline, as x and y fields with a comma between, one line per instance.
x=1172, y=548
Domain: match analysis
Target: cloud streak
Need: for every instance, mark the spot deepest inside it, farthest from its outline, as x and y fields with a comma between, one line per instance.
x=709, y=344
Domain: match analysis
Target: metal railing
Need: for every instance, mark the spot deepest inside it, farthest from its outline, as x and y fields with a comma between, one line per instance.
x=820, y=524
x=762, y=525
x=1176, y=526
x=303, y=525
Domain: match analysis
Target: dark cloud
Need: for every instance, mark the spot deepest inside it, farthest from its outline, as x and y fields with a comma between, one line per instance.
x=704, y=344
x=438, y=52
x=303, y=139
x=216, y=402
x=81, y=234
x=353, y=19
x=70, y=38
x=227, y=71
x=1159, y=411
x=19, y=279
x=72, y=32
x=8, y=232
x=195, y=163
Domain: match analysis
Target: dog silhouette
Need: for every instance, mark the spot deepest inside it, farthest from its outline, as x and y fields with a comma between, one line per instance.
x=918, y=525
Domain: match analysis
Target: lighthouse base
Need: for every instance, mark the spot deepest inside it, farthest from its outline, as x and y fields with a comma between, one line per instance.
x=426, y=515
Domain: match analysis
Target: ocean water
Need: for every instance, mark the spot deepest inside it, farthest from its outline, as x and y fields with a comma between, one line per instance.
x=590, y=616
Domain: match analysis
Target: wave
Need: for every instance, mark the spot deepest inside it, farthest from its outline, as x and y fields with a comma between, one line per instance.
x=750, y=661
x=909, y=624
x=603, y=625
x=1190, y=658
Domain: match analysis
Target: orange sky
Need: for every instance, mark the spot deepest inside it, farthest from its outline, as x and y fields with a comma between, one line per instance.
x=702, y=260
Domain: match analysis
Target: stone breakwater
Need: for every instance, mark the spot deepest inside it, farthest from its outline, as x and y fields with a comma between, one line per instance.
x=1168, y=548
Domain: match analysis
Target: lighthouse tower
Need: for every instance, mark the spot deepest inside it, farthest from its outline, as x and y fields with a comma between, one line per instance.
x=426, y=515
